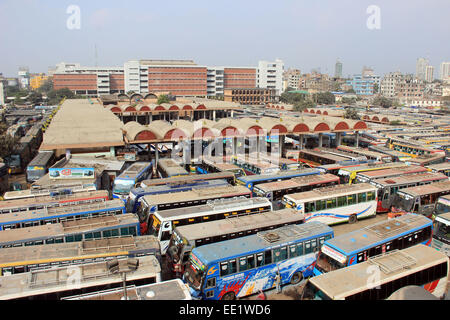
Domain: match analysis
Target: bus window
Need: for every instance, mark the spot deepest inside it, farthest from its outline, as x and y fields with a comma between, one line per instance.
x=243, y=264
x=279, y=254
x=310, y=207
x=331, y=203
x=267, y=257
x=314, y=244
x=320, y=205
x=342, y=201
x=259, y=259
x=308, y=248
x=351, y=199
x=362, y=197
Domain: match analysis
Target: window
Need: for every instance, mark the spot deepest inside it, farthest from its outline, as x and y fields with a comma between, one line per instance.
x=314, y=245
x=69, y=238
x=309, y=207
x=232, y=266
x=351, y=199
x=279, y=254
x=342, y=201
x=331, y=203
x=243, y=264
x=293, y=251
x=267, y=257
x=371, y=196
x=308, y=248
x=320, y=205
x=210, y=283
x=259, y=259
x=362, y=197
x=124, y=231
x=115, y=232
x=97, y=235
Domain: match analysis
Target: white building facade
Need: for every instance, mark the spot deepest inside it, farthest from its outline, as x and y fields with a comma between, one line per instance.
x=270, y=75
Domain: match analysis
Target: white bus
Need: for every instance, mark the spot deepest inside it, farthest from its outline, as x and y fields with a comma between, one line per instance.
x=56, y=190
x=335, y=204
x=380, y=276
x=162, y=223
x=441, y=233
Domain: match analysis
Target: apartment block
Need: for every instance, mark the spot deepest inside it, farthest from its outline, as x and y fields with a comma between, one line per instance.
x=270, y=75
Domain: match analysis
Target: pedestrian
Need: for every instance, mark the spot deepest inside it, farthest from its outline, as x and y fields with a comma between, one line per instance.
x=278, y=282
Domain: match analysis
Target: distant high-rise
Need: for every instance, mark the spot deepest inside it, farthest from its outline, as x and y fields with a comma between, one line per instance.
x=421, y=66
x=445, y=70
x=338, y=69
x=429, y=70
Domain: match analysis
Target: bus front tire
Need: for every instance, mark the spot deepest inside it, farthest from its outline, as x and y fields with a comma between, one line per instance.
x=229, y=296
x=352, y=218
x=296, y=277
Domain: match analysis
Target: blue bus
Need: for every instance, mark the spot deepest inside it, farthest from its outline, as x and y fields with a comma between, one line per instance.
x=128, y=179
x=252, y=180
x=137, y=193
x=239, y=267
x=16, y=220
x=357, y=246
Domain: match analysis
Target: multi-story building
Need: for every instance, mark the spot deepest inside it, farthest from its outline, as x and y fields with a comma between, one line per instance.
x=388, y=85
x=338, y=69
x=250, y=96
x=37, y=80
x=24, y=77
x=90, y=81
x=444, y=71
x=429, y=70
x=291, y=79
x=364, y=85
x=270, y=75
x=2, y=94
x=410, y=88
x=421, y=65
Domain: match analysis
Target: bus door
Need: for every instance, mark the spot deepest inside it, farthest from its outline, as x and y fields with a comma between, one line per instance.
x=164, y=235
x=386, y=199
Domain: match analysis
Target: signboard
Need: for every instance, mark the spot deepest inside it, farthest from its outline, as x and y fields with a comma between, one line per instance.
x=334, y=254
x=71, y=173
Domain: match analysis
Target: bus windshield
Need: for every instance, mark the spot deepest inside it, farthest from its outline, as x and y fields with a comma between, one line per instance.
x=442, y=232
x=311, y=292
x=441, y=208
x=155, y=225
x=123, y=186
x=193, y=273
x=403, y=202
x=175, y=246
x=326, y=264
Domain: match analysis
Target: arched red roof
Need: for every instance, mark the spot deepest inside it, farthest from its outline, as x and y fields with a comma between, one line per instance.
x=145, y=108
x=318, y=112
x=375, y=118
x=174, y=107
x=301, y=127
x=175, y=134
x=130, y=109
x=321, y=127
x=187, y=107
x=145, y=135
x=116, y=110
x=279, y=128
x=254, y=130
x=160, y=108
x=200, y=107
x=229, y=132
x=360, y=125
x=385, y=120
x=203, y=133
x=325, y=113
x=342, y=125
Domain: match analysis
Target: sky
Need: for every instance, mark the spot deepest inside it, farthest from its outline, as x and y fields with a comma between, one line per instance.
x=304, y=34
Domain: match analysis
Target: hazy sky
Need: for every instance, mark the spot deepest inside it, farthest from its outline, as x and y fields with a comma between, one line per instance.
x=304, y=34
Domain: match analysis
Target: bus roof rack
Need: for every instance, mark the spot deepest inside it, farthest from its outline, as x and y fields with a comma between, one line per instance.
x=384, y=228
x=393, y=261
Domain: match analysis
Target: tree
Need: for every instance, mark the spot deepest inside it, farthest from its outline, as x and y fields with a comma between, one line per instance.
x=35, y=98
x=163, y=99
x=324, y=98
x=304, y=104
x=382, y=102
x=46, y=87
x=351, y=113
x=292, y=97
x=55, y=96
x=375, y=87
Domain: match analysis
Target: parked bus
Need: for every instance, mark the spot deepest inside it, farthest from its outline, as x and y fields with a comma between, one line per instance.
x=136, y=194
x=169, y=168
x=28, y=204
x=38, y=167
x=128, y=179
x=342, y=153
x=419, y=199
x=441, y=233
x=192, y=178
x=253, y=166
x=38, y=217
x=443, y=168
x=72, y=231
x=152, y=203
x=251, y=181
x=396, y=156
x=388, y=187
x=274, y=191
x=315, y=158
x=357, y=246
x=283, y=163
x=426, y=160
x=174, y=289
x=56, y=190
x=348, y=175
x=418, y=265
x=410, y=149
x=335, y=167
x=163, y=222
x=368, y=176
x=185, y=238
x=335, y=204
x=239, y=267
x=218, y=164
x=25, y=259
x=442, y=206
x=54, y=283
x=370, y=155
